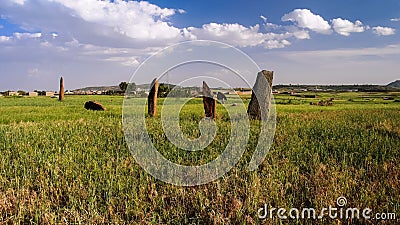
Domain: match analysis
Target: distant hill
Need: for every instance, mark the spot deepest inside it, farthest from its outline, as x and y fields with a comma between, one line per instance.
x=394, y=84
x=99, y=88
x=112, y=88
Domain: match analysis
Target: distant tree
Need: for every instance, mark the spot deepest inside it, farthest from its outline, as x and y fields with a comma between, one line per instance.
x=109, y=92
x=40, y=93
x=133, y=86
x=123, y=86
x=164, y=89
x=142, y=94
x=21, y=93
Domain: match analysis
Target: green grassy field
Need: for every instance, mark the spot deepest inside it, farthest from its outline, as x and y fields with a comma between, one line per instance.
x=62, y=164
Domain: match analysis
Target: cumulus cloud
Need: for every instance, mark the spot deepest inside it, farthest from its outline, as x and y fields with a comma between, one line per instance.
x=106, y=23
x=383, y=31
x=19, y=2
x=125, y=61
x=27, y=35
x=345, y=27
x=20, y=36
x=298, y=33
x=241, y=36
x=128, y=24
x=4, y=39
x=271, y=44
x=140, y=20
x=234, y=34
x=304, y=18
x=395, y=19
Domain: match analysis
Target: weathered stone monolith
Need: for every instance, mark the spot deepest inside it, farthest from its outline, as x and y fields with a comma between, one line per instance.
x=221, y=97
x=208, y=101
x=152, y=98
x=261, y=96
x=61, y=93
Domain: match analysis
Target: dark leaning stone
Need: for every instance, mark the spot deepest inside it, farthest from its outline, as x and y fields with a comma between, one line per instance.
x=208, y=101
x=93, y=105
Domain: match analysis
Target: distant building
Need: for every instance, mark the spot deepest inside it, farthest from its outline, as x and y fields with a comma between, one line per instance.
x=33, y=94
x=50, y=93
x=240, y=92
x=12, y=93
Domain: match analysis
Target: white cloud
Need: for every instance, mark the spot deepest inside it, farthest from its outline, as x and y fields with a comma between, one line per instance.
x=19, y=2
x=4, y=39
x=20, y=36
x=139, y=20
x=117, y=24
x=27, y=35
x=234, y=34
x=264, y=18
x=33, y=72
x=241, y=36
x=132, y=24
x=125, y=61
x=121, y=24
x=395, y=19
x=383, y=31
x=298, y=33
x=304, y=18
x=271, y=44
x=272, y=26
x=345, y=27
x=301, y=34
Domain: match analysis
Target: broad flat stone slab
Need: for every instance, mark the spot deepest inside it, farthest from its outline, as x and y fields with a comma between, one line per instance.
x=261, y=96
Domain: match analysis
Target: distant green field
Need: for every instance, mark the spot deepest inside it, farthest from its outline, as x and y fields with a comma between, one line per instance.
x=62, y=164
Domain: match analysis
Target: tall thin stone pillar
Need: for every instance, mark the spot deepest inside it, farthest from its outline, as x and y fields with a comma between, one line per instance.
x=61, y=93
x=152, y=98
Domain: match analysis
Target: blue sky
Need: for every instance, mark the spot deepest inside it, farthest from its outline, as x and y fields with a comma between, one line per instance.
x=93, y=42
